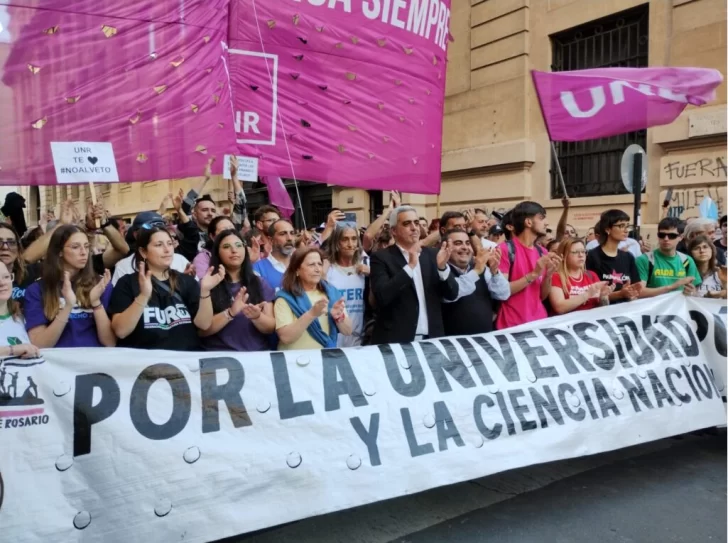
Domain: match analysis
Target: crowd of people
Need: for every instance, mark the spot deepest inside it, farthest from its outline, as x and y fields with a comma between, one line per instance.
x=226, y=282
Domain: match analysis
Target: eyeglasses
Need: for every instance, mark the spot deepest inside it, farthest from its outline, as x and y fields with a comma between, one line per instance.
x=621, y=226
x=668, y=235
x=10, y=243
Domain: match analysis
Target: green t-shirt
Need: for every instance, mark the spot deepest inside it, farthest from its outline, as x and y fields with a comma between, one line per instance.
x=667, y=270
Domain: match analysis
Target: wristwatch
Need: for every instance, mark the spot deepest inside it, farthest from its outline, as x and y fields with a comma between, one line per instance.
x=106, y=224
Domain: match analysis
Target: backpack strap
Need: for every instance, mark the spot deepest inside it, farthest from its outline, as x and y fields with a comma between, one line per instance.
x=175, y=295
x=511, y=257
x=651, y=268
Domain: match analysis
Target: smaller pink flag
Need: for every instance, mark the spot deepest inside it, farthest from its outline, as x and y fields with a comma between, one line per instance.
x=278, y=195
x=588, y=104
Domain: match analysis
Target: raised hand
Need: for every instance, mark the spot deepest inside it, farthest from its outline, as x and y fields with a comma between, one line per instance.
x=335, y=216
x=177, y=200
x=254, y=249
x=67, y=290
x=211, y=280
x=443, y=255
x=67, y=212
x=145, y=281
x=233, y=169
x=320, y=307
x=99, y=288
x=565, y=202
x=240, y=301
x=208, y=167
x=396, y=200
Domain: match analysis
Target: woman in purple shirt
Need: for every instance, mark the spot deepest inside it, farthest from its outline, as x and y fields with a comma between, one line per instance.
x=67, y=306
x=241, y=303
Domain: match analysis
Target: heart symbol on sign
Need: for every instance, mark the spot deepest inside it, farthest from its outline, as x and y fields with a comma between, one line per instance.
x=93, y=159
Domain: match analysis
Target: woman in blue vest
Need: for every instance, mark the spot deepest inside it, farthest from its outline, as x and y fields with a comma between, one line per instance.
x=309, y=312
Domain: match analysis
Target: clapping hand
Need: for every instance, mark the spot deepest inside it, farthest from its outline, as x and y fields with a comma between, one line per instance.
x=67, y=290
x=145, y=281
x=337, y=311
x=211, y=280
x=99, y=288
x=190, y=270
x=494, y=259
x=443, y=256
x=254, y=249
x=320, y=307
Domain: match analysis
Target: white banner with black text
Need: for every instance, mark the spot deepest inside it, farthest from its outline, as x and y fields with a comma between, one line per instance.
x=123, y=445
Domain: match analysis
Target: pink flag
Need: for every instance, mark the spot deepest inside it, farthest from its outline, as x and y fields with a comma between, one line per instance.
x=147, y=76
x=347, y=93
x=589, y=104
x=278, y=195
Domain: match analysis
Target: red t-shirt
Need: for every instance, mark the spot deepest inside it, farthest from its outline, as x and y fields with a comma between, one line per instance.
x=577, y=288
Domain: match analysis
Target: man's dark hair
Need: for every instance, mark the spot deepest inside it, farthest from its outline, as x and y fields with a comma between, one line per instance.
x=272, y=227
x=205, y=198
x=448, y=215
x=723, y=220
x=607, y=220
x=523, y=211
x=669, y=223
x=446, y=235
x=507, y=221
x=262, y=210
x=682, y=226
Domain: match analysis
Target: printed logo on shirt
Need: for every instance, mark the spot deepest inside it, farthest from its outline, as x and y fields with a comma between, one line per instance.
x=166, y=318
x=18, y=293
x=615, y=277
x=354, y=299
x=659, y=272
x=20, y=404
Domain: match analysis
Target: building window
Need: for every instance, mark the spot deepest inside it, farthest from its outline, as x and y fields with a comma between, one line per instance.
x=591, y=168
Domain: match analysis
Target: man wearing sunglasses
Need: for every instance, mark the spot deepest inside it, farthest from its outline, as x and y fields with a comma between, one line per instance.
x=665, y=269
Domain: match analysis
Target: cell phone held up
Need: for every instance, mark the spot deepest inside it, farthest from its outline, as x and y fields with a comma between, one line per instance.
x=348, y=222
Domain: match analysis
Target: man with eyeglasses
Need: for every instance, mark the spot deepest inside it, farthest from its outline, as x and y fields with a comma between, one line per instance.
x=665, y=269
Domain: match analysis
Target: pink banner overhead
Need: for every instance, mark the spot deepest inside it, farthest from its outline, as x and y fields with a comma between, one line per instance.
x=342, y=92
x=334, y=91
x=148, y=76
x=588, y=104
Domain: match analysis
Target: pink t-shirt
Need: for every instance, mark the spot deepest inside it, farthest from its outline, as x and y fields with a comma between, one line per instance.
x=526, y=306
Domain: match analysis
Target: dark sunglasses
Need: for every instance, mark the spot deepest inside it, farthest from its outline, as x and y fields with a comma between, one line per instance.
x=668, y=235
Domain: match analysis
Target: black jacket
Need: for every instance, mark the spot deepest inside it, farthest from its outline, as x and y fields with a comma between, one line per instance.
x=472, y=314
x=397, y=307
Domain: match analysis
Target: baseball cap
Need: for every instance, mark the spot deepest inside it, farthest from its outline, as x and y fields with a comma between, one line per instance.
x=496, y=230
x=145, y=219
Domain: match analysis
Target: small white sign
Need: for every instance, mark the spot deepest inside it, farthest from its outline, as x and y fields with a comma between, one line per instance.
x=83, y=162
x=247, y=168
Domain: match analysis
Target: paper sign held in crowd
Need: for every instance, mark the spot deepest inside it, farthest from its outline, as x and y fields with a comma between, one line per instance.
x=247, y=168
x=84, y=162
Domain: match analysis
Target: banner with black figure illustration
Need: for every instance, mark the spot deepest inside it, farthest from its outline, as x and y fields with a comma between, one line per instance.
x=128, y=445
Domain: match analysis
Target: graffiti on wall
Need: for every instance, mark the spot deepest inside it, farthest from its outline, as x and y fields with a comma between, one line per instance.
x=684, y=203
x=705, y=168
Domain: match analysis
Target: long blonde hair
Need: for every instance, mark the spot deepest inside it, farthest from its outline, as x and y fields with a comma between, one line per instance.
x=564, y=252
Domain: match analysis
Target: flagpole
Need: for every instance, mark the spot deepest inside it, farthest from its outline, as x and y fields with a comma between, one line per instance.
x=551, y=141
x=558, y=168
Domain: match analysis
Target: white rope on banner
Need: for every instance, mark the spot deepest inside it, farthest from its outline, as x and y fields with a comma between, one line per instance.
x=280, y=115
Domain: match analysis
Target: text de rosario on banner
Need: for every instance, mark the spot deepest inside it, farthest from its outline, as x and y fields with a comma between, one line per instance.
x=589, y=104
x=167, y=446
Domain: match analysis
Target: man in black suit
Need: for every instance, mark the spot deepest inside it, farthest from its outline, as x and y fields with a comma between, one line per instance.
x=408, y=282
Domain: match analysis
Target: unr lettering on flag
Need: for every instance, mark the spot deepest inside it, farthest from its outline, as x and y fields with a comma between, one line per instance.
x=588, y=104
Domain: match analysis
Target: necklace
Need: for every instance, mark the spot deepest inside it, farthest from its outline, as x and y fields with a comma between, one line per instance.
x=577, y=278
